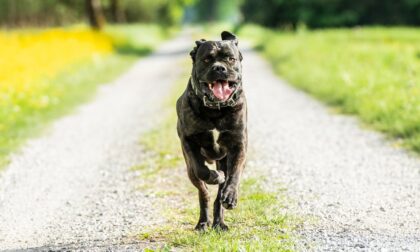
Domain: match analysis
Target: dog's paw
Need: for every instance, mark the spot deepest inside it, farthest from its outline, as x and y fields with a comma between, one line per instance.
x=216, y=177
x=229, y=197
x=202, y=226
x=220, y=226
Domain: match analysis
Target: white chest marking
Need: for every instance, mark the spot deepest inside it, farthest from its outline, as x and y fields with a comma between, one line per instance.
x=216, y=134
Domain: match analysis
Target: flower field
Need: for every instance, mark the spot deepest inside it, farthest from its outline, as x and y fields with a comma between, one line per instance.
x=43, y=72
x=29, y=61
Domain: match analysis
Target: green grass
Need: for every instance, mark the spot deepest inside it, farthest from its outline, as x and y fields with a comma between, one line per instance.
x=138, y=39
x=371, y=72
x=77, y=84
x=257, y=224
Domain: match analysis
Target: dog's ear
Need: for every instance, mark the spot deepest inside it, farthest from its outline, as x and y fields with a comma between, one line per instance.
x=229, y=36
x=194, y=50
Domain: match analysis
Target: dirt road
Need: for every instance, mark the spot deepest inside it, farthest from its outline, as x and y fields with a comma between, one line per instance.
x=355, y=190
x=72, y=188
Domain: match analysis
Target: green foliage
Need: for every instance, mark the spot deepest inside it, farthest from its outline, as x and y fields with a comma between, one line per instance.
x=331, y=13
x=60, y=12
x=371, y=72
x=216, y=11
x=40, y=13
x=137, y=39
x=169, y=12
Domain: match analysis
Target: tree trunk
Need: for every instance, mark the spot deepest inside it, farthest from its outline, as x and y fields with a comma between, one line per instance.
x=117, y=12
x=95, y=14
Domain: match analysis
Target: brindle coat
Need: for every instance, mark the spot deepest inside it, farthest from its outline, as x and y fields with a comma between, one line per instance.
x=197, y=124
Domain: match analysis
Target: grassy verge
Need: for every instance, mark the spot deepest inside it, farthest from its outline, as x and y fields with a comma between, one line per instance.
x=137, y=39
x=258, y=223
x=371, y=72
x=31, y=102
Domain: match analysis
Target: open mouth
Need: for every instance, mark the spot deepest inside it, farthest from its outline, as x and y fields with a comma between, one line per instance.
x=222, y=89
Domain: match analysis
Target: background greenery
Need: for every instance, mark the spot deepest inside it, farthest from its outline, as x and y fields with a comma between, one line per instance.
x=331, y=13
x=287, y=14
x=17, y=13
x=371, y=72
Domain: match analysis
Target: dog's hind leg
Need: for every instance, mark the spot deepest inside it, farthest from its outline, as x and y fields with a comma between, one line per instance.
x=204, y=199
x=218, y=210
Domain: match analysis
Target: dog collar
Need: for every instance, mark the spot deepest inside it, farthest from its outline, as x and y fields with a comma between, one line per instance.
x=231, y=102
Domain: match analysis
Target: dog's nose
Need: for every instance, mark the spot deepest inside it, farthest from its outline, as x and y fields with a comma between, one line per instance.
x=219, y=68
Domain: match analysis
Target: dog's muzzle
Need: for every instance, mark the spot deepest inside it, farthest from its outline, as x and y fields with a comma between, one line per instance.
x=231, y=102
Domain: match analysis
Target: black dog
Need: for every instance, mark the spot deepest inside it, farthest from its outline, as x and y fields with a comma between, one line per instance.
x=212, y=117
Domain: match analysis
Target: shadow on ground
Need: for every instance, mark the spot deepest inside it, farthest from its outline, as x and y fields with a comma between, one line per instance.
x=94, y=245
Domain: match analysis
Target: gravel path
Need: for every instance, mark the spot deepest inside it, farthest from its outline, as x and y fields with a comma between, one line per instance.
x=72, y=188
x=359, y=192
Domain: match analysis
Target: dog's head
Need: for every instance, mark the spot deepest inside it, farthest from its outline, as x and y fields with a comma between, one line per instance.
x=217, y=70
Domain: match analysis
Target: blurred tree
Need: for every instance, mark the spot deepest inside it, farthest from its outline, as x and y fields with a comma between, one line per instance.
x=273, y=13
x=171, y=11
x=217, y=10
x=206, y=10
x=40, y=13
x=168, y=12
x=228, y=10
x=95, y=14
x=117, y=12
x=331, y=13
x=59, y=12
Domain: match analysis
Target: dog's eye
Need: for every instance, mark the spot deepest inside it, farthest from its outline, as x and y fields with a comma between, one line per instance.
x=231, y=59
x=207, y=60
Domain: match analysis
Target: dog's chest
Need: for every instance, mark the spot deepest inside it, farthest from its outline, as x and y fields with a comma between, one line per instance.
x=216, y=135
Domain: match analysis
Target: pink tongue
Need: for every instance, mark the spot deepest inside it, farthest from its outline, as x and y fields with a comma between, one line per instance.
x=221, y=90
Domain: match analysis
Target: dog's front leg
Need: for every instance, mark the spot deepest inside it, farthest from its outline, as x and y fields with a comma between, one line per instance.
x=235, y=165
x=199, y=174
x=218, y=215
x=196, y=160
